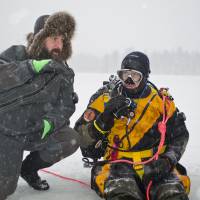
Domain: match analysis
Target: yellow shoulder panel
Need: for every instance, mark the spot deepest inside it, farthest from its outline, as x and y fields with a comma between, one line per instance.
x=98, y=103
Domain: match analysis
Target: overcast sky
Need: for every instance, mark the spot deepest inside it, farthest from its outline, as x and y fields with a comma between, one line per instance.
x=104, y=26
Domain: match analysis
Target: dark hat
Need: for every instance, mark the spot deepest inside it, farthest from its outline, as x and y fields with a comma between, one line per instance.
x=60, y=23
x=39, y=24
x=137, y=61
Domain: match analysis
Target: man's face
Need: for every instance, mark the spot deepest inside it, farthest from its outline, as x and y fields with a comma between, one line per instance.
x=54, y=46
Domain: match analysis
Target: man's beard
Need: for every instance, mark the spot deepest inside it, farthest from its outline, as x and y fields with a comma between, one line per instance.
x=53, y=54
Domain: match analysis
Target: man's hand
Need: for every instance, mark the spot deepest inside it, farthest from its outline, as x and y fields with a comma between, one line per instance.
x=104, y=121
x=156, y=170
x=114, y=104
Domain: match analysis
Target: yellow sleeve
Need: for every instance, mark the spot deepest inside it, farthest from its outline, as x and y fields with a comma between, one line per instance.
x=98, y=103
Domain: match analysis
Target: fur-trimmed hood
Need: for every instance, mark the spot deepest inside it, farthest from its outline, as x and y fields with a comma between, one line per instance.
x=60, y=23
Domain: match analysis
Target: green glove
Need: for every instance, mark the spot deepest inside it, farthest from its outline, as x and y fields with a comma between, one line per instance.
x=38, y=65
x=47, y=128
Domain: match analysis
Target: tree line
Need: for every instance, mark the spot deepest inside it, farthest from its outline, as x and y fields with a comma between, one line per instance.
x=162, y=62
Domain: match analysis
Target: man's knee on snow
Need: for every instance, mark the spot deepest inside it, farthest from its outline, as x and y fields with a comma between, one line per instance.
x=73, y=143
x=64, y=144
x=122, y=188
x=171, y=191
x=68, y=139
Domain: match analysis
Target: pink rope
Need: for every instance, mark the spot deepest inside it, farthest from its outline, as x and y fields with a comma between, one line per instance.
x=65, y=178
x=162, y=130
x=148, y=190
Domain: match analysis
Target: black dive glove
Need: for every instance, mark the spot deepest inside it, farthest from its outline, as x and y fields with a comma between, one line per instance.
x=156, y=170
x=104, y=121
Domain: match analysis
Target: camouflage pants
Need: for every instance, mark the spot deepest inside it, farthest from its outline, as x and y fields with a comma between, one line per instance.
x=119, y=181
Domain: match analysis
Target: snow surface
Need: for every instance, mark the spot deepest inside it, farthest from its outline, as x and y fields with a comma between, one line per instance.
x=184, y=89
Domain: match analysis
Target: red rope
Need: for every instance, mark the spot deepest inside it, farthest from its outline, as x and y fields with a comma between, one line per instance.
x=162, y=130
x=148, y=190
x=65, y=178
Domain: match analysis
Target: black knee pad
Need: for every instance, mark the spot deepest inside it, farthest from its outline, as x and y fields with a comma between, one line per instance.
x=171, y=191
x=122, y=188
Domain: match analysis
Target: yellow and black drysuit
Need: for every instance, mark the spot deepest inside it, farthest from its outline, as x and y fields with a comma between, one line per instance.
x=135, y=139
